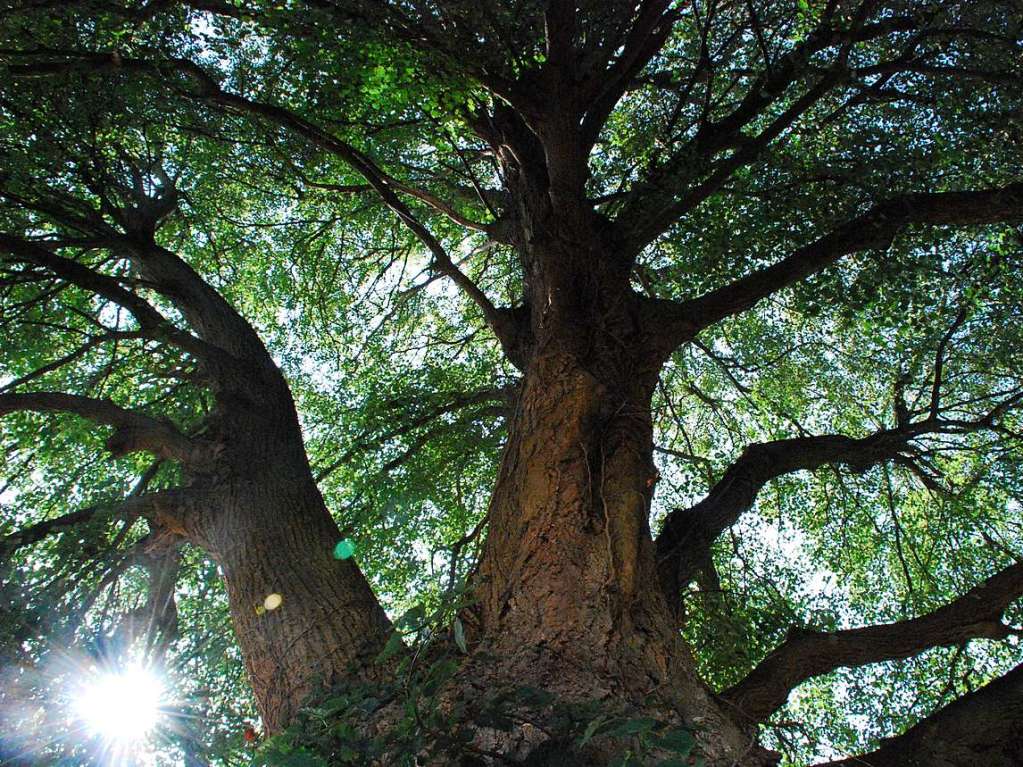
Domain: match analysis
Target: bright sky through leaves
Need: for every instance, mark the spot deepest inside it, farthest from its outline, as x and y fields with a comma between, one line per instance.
x=751, y=134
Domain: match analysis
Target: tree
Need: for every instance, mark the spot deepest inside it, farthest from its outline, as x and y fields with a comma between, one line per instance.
x=753, y=239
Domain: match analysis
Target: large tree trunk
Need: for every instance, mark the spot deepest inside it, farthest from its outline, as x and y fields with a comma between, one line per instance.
x=264, y=522
x=568, y=560
x=567, y=588
x=567, y=585
x=276, y=537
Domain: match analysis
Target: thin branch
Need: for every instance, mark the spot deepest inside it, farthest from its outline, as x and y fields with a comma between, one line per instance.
x=653, y=206
x=91, y=343
x=202, y=86
x=37, y=532
x=40, y=254
x=367, y=440
x=647, y=36
x=151, y=322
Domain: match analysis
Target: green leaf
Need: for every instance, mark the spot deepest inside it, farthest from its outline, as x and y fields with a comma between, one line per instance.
x=680, y=741
x=591, y=730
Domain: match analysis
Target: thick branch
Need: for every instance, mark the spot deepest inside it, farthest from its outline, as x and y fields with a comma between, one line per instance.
x=226, y=345
x=205, y=310
x=688, y=533
x=133, y=431
x=748, y=149
x=981, y=728
x=806, y=654
x=874, y=230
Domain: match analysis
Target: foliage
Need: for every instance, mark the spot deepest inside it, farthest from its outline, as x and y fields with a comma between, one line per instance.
x=404, y=394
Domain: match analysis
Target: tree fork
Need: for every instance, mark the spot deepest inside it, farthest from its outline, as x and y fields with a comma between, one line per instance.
x=563, y=585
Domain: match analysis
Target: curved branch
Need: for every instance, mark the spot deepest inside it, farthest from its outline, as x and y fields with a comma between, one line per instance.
x=148, y=318
x=981, y=728
x=688, y=533
x=653, y=207
x=133, y=431
x=806, y=654
x=91, y=343
x=874, y=230
x=204, y=87
x=139, y=213
x=204, y=308
x=380, y=182
x=366, y=439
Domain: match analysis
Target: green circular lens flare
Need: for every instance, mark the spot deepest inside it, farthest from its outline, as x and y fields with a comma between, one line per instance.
x=344, y=549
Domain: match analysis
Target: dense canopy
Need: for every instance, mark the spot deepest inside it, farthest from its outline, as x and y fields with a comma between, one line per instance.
x=660, y=360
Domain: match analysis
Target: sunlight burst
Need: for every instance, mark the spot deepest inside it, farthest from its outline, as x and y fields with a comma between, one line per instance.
x=123, y=706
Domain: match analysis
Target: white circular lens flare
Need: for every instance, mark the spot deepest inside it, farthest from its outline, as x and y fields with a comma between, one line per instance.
x=121, y=706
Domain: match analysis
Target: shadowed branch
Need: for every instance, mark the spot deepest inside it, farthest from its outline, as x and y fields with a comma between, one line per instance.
x=806, y=654
x=874, y=230
x=133, y=431
x=981, y=728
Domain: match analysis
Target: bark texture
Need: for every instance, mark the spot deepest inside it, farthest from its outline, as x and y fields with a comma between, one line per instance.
x=277, y=537
x=257, y=511
x=564, y=583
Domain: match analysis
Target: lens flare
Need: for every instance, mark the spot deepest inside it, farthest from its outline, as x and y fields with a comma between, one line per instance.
x=122, y=707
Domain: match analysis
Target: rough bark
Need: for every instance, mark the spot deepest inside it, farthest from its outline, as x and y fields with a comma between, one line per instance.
x=276, y=537
x=566, y=587
x=257, y=511
x=563, y=585
x=249, y=498
x=564, y=581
